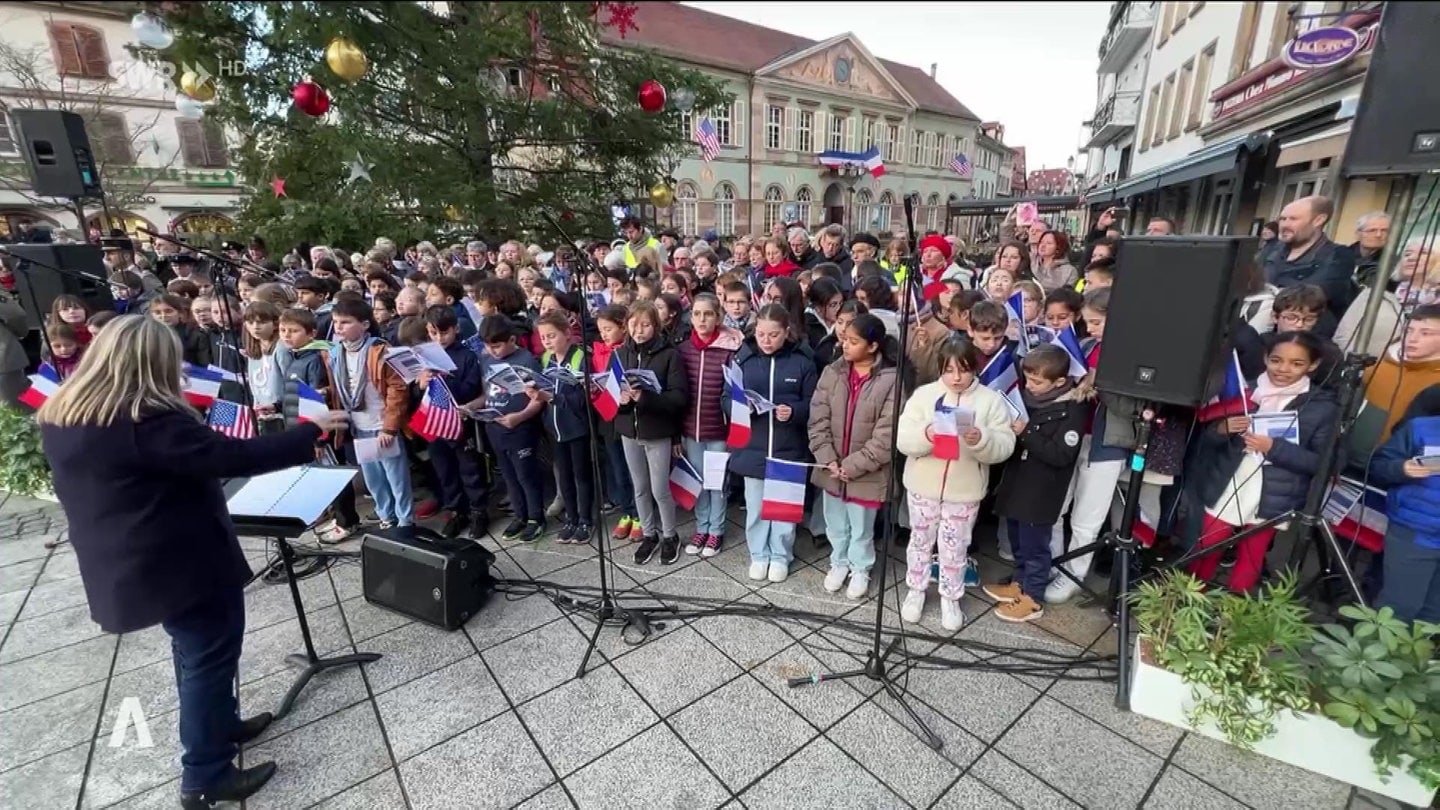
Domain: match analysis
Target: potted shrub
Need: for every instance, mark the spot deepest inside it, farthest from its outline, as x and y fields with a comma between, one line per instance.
x=1236, y=668
x=23, y=468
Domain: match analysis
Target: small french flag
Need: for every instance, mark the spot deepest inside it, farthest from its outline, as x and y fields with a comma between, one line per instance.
x=202, y=385
x=1015, y=308
x=607, y=392
x=1070, y=342
x=684, y=483
x=783, y=492
x=946, y=433
x=739, y=408
x=43, y=385
x=311, y=403
x=1000, y=376
x=1233, y=399
x=212, y=370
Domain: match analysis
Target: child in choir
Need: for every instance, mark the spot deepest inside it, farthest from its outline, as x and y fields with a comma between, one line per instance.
x=620, y=491
x=1000, y=283
x=708, y=349
x=314, y=293
x=850, y=436
x=566, y=418
x=951, y=430
x=1035, y=479
x=167, y=309
x=72, y=310
x=65, y=348
x=459, y=471
x=989, y=326
x=737, y=302
x=264, y=361
x=649, y=428
x=1411, y=582
x=778, y=366
x=515, y=435
x=1061, y=308
x=1249, y=468
x=1099, y=273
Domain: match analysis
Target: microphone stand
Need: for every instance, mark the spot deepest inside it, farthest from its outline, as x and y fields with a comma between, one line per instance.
x=877, y=668
x=609, y=609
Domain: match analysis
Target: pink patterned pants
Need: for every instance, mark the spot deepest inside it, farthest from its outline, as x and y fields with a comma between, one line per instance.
x=946, y=526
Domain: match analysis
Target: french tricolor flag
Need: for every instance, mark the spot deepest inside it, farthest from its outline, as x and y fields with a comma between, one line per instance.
x=43, y=385
x=684, y=483
x=202, y=385
x=311, y=403
x=606, y=396
x=1233, y=399
x=946, y=434
x=739, y=408
x=212, y=370
x=783, y=492
x=1070, y=342
x=1000, y=376
x=1015, y=308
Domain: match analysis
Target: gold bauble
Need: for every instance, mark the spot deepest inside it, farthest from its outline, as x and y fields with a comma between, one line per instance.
x=452, y=213
x=662, y=195
x=195, y=87
x=346, y=59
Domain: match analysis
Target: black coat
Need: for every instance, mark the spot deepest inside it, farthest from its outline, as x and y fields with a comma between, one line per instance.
x=787, y=377
x=655, y=416
x=1037, y=476
x=147, y=513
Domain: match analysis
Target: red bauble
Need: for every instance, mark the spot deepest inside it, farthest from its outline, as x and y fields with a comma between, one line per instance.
x=311, y=98
x=652, y=96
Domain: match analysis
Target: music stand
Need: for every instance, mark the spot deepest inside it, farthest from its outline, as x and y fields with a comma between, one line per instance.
x=280, y=528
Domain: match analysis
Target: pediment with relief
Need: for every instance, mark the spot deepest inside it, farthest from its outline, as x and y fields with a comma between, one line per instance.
x=842, y=67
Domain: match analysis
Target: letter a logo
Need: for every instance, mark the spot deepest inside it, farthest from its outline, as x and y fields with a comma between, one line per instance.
x=131, y=713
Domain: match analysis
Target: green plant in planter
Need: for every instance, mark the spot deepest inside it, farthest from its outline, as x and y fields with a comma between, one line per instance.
x=23, y=468
x=1380, y=678
x=1241, y=654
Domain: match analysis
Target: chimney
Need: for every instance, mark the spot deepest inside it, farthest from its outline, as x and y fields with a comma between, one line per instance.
x=933, y=67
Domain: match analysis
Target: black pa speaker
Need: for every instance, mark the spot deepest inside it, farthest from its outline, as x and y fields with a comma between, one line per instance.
x=58, y=151
x=426, y=576
x=1397, y=124
x=1171, y=309
x=38, y=283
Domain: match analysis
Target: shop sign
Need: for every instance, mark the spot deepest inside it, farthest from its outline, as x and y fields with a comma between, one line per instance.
x=1285, y=78
x=1322, y=48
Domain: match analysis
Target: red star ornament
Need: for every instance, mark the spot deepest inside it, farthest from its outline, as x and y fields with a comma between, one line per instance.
x=278, y=186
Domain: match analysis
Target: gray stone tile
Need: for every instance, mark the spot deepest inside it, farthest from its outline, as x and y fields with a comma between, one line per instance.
x=741, y=730
x=676, y=669
x=803, y=591
x=118, y=772
x=410, y=714
x=20, y=576
x=894, y=754
x=991, y=639
x=821, y=704
x=952, y=693
x=142, y=647
x=153, y=685
x=504, y=618
x=382, y=791
x=1256, y=780
x=56, y=671
x=48, y=632
x=160, y=797
x=326, y=693
x=1099, y=769
x=972, y=794
x=41, y=728
x=652, y=770
x=347, y=581
x=538, y=661
x=266, y=649
x=267, y=604
x=748, y=641
x=582, y=719
x=819, y=769
x=956, y=744
x=24, y=548
x=367, y=621
x=60, y=566
x=1096, y=700
x=11, y=605
x=552, y=798
x=1018, y=786
x=411, y=651
x=701, y=582
x=1076, y=624
x=49, y=597
x=321, y=759
x=1365, y=800
x=734, y=562
x=464, y=770
x=1178, y=790
x=53, y=781
x=538, y=559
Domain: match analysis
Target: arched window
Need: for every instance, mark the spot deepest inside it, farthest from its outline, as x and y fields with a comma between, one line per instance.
x=803, y=198
x=861, y=215
x=725, y=210
x=882, y=211
x=933, y=203
x=687, y=209
x=774, y=202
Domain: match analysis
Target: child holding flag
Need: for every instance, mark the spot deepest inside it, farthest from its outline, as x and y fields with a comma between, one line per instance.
x=619, y=490
x=951, y=430
x=707, y=350
x=514, y=435
x=567, y=419
x=459, y=471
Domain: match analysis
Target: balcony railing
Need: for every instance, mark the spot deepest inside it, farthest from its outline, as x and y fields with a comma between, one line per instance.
x=1128, y=30
x=1114, y=117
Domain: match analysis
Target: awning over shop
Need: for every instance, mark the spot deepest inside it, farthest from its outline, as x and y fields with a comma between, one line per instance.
x=1002, y=205
x=1210, y=160
x=1327, y=143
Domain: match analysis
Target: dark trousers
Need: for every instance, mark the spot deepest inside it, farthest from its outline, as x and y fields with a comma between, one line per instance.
x=346, y=515
x=619, y=487
x=205, y=643
x=1030, y=543
x=573, y=473
x=521, y=470
x=1412, y=577
x=459, y=476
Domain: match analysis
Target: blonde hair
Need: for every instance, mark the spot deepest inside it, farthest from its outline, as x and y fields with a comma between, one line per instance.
x=131, y=368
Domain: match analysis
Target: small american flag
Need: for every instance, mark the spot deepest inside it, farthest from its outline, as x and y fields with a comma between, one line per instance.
x=232, y=419
x=960, y=165
x=437, y=417
x=707, y=138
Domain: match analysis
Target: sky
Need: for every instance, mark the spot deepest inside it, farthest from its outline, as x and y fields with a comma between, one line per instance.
x=1031, y=66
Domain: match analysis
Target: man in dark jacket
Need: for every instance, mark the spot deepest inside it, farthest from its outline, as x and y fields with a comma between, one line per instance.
x=832, y=249
x=1304, y=254
x=459, y=472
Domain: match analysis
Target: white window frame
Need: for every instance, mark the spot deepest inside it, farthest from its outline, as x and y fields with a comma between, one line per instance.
x=774, y=206
x=687, y=209
x=725, y=209
x=804, y=204
x=805, y=130
x=835, y=135
x=774, y=127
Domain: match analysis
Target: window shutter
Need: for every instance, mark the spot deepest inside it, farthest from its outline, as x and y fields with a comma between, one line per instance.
x=114, y=138
x=91, y=45
x=900, y=144
x=217, y=155
x=819, y=132
x=738, y=123
x=787, y=135
x=65, y=49
x=851, y=124
x=192, y=142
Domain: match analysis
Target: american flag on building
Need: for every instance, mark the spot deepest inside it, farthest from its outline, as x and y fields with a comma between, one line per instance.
x=708, y=139
x=232, y=419
x=960, y=165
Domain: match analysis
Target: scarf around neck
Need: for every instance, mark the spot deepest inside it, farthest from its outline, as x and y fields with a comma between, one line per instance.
x=341, y=372
x=1270, y=398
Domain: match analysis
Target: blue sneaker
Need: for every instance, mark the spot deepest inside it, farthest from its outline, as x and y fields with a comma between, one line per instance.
x=972, y=574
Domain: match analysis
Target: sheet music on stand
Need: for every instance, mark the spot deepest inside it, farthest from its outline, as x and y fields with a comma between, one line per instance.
x=301, y=494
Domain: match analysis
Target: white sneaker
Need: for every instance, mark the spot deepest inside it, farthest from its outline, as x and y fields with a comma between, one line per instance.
x=1061, y=589
x=835, y=579
x=952, y=618
x=778, y=571
x=859, y=584
x=758, y=570
x=913, y=606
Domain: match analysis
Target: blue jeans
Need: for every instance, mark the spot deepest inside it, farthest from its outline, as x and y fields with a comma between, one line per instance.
x=710, y=504
x=389, y=483
x=205, y=643
x=1412, y=577
x=1030, y=543
x=769, y=540
x=852, y=533
x=618, y=487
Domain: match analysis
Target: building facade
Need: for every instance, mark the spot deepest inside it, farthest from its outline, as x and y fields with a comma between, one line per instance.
x=796, y=98
x=158, y=170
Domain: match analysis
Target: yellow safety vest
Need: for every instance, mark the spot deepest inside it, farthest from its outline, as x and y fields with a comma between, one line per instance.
x=899, y=273
x=631, y=262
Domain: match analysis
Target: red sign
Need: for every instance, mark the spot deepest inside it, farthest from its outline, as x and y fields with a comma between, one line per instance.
x=1281, y=80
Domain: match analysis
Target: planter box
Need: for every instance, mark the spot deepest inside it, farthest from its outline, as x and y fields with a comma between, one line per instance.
x=1310, y=741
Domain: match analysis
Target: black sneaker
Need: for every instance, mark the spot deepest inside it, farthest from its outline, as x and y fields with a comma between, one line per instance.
x=669, y=550
x=479, y=526
x=646, y=549
x=456, y=523
x=531, y=533
x=512, y=531
x=566, y=533
x=582, y=533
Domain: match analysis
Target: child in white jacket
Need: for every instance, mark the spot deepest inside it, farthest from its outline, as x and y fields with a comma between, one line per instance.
x=947, y=472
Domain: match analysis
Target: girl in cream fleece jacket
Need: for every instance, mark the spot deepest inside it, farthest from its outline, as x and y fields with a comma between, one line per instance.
x=947, y=472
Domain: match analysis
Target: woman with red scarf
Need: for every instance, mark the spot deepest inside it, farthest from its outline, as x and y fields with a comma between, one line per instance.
x=777, y=261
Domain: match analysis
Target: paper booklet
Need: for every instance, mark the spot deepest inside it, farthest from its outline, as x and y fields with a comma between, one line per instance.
x=758, y=402
x=642, y=378
x=299, y=493
x=507, y=377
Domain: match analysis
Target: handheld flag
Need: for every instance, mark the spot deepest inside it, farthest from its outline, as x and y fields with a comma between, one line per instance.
x=739, y=408
x=1015, y=308
x=684, y=483
x=1070, y=342
x=606, y=396
x=232, y=419
x=437, y=417
x=783, y=492
x=43, y=385
x=946, y=432
x=1000, y=376
x=201, y=386
x=310, y=402
x=1233, y=398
